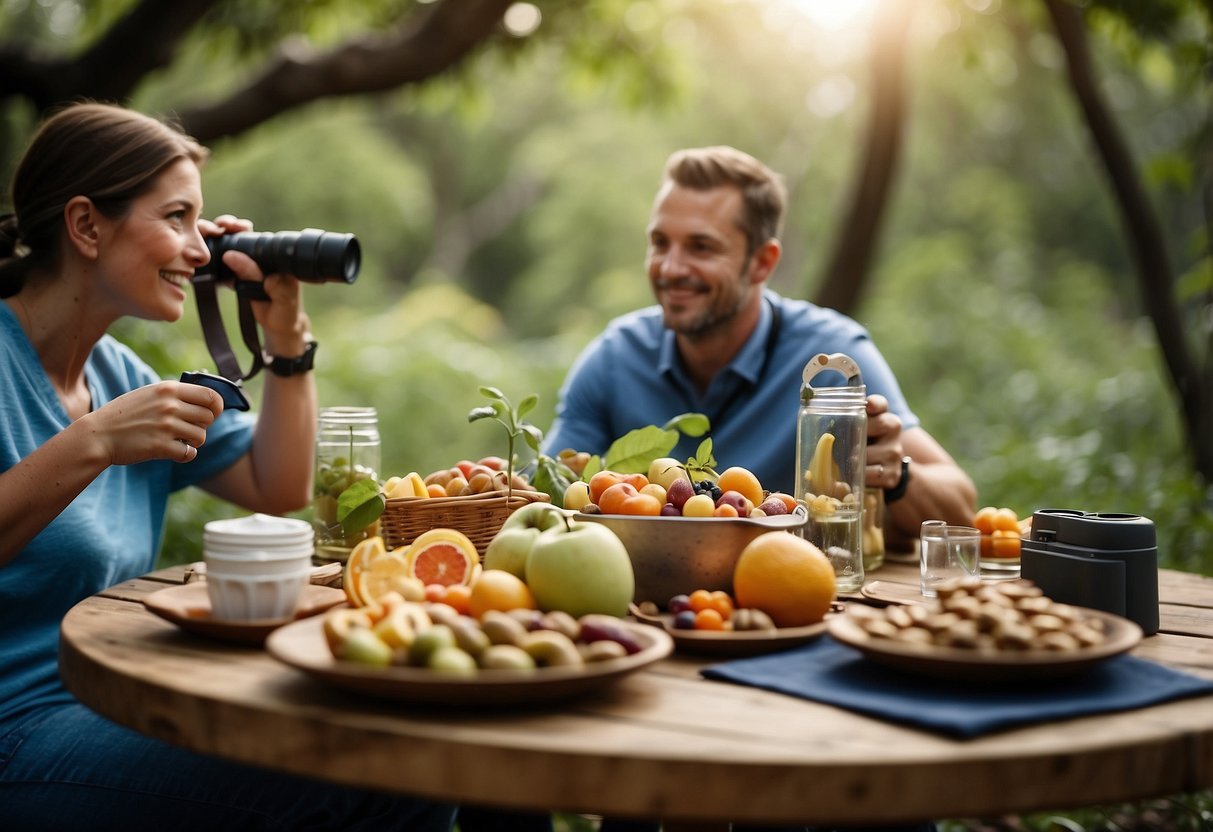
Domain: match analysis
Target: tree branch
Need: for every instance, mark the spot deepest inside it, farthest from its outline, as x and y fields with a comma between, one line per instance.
x=425, y=44
x=855, y=245
x=1155, y=275
x=145, y=39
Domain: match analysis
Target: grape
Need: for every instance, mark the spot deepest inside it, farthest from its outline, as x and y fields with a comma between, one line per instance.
x=679, y=603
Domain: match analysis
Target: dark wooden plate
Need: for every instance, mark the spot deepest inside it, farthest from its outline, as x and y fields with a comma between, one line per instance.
x=988, y=665
x=189, y=607
x=302, y=645
x=729, y=643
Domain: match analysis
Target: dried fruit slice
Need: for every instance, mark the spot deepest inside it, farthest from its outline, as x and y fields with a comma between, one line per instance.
x=359, y=560
x=443, y=556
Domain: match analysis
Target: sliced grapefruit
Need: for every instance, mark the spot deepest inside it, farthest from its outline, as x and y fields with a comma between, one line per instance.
x=357, y=563
x=443, y=556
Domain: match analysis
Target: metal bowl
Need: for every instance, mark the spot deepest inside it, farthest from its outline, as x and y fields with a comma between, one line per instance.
x=677, y=555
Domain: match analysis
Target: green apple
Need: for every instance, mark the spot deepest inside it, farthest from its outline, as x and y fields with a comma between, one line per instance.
x=512, y=544
x=537, y=515
x=580, y=568
x=664, y=470
x=510, y=548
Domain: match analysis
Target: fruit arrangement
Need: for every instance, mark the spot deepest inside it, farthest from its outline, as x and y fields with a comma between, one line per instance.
x=1001, y=530
x=542, y=568
x=969, y=614
x=780, y=580
x=462, y=479
x=433, y=635
x=714, y=611
x=669, y=490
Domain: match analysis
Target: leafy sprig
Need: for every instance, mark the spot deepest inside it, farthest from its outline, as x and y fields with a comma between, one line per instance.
x=502, y=410
x=635, y=451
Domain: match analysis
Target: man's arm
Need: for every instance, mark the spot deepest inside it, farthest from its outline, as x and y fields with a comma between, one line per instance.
x=938, y=490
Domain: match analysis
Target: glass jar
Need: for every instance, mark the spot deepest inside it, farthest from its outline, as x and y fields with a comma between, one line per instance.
x=873, y=529
x=347, y=450
x=831, y=454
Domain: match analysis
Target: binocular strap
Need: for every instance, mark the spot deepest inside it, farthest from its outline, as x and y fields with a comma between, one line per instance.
x=216, y=336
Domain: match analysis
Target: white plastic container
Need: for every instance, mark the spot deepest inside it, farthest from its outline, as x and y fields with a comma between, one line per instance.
x=255, y=597
x=244, y=562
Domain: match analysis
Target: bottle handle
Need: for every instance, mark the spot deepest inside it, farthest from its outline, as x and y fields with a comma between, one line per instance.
x=843, y=364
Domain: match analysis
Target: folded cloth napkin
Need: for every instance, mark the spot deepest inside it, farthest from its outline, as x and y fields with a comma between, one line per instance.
x=830, y=672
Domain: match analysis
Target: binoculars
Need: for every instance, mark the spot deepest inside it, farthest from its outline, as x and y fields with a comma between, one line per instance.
x=1107, y=562
x=311, y=255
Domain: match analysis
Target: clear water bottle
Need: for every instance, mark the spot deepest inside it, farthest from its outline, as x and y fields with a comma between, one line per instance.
x=347, y=450
x=831, y=454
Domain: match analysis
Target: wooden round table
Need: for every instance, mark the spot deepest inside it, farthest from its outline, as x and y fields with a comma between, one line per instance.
x=662, y=743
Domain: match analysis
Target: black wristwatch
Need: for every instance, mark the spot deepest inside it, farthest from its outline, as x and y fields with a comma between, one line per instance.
x=898, y=491
x=280, y=366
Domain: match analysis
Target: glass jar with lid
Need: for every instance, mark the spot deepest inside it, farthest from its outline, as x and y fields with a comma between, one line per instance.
x=347, y=450
x=831, y=455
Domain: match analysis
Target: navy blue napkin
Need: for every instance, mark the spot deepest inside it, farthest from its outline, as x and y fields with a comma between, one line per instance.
x=830, y=672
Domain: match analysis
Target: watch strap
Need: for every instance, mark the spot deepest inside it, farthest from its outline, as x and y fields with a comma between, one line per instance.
x=898, y=491
x=286, y=367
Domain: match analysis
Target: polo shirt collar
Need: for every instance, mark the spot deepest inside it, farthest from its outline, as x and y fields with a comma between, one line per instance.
x=747, y=364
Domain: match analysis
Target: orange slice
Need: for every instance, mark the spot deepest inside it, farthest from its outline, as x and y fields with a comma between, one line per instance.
x=443, y=556
x=389, y=573
x=359, y=560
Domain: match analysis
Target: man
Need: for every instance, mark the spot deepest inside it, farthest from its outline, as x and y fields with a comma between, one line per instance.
x=720, y=343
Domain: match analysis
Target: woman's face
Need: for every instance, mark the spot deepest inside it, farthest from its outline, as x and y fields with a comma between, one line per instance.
x=148, y=256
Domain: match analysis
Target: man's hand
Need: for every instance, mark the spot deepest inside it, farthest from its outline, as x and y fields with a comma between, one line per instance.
x=884, y=444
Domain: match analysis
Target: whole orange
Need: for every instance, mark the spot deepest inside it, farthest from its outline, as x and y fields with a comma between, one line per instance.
x=785, y=576
x=497, y=589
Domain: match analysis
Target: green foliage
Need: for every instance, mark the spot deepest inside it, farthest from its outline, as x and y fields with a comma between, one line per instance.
x=1002, y=292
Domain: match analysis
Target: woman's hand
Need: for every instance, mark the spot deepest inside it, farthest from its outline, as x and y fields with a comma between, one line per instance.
x=282, y=319
x=166, y=420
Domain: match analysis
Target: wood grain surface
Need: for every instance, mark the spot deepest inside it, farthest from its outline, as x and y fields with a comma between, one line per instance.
x=662, y=742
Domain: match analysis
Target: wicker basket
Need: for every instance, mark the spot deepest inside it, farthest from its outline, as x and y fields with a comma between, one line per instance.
x=479, y=516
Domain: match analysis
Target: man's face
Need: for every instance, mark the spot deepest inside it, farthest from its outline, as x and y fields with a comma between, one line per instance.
x=697, y=260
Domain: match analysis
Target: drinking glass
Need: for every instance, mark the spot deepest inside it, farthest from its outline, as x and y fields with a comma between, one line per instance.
x=946, y=553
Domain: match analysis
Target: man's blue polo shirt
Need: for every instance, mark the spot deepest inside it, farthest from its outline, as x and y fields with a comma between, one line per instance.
x=631, y=376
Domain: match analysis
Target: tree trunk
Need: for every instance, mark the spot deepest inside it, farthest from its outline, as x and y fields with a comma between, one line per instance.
x=854, y=247
x=1193, y=382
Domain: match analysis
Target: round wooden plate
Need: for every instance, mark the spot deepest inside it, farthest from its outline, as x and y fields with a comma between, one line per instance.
x=189, y=607
x=985, y=665
x=302, y=646
x=729, y=643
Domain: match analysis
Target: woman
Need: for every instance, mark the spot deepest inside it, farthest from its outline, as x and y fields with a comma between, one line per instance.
x=107, y=225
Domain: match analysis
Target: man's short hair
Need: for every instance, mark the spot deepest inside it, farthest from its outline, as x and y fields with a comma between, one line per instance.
x=763, y=194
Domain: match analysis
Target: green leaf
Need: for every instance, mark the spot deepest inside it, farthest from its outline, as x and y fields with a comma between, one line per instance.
x=478, y=413
x=591, y=468
x=691, y=424
x=532, y=435
x=553, y=478
x=527, y=405
x=635, y=450
x=492, y=392
x=360, y=505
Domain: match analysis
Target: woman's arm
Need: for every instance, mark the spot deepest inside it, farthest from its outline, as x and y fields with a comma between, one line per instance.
x=275, y=477
x=167, y=420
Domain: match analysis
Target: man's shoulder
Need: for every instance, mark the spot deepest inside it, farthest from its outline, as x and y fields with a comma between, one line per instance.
x=801, y=317
x=640, y=327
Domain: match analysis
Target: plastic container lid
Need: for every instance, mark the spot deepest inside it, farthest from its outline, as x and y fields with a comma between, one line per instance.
x=258, y=529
